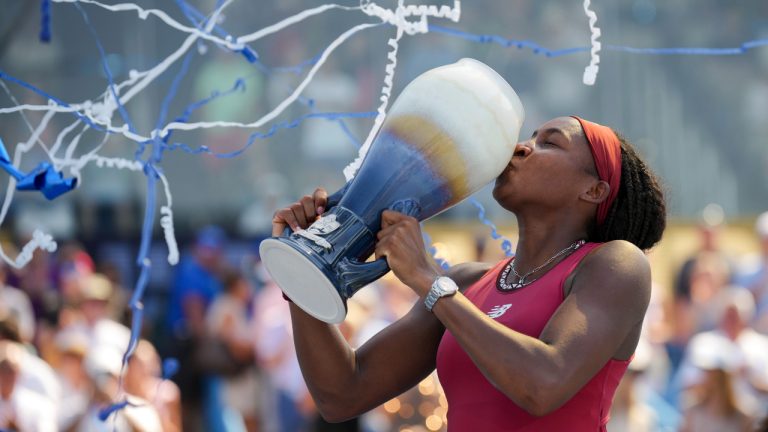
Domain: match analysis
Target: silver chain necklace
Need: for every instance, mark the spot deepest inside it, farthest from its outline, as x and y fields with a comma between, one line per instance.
x=521, y=280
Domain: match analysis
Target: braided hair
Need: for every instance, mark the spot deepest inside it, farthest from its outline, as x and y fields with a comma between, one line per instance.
x=638, y=214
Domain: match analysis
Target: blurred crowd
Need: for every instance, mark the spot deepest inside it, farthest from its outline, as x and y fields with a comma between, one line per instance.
x=702, y=364
x=220, y=356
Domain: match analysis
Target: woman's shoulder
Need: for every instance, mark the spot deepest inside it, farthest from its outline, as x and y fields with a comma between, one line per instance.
x=617, y=264
x=617, y=251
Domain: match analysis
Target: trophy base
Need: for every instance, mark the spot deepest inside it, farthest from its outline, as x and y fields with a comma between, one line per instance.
x=302, y=281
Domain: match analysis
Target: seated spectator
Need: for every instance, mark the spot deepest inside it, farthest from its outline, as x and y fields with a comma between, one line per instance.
x=753, y=274
x=143, y=379
x=228, y=321
x=76, y=387
x=21, y=409
x=747, y=352
x=714, y=407
x=16, y=302
x=629, y=413
x=92, y=315
x=103, y=366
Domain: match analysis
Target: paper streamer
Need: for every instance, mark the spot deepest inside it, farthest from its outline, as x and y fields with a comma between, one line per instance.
x=506, y=244
x=590, y=72
x=45, y=21
x=397, y=18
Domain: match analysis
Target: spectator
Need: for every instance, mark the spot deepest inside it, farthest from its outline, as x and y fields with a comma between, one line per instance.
x=75, y=384
x=715, y=408
x=103, y=366
x=15, y=302
x=754, y=274
x=293, y=406
x=143, y=379
x=228, y=321
x=195, y=286
x=746, y=351
x=629, y=413
x=21, y=409
x=92, y=315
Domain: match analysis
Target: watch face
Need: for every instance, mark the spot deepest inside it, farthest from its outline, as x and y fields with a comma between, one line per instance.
x=446, y=285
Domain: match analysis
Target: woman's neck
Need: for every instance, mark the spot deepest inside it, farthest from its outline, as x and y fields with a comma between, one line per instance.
x=540, y=241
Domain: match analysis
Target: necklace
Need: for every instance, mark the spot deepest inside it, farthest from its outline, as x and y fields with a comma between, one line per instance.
x=522, y=279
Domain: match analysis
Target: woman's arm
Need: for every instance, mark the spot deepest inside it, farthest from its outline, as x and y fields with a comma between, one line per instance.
x=607, y=303
x=345, y=382
x=598, y=320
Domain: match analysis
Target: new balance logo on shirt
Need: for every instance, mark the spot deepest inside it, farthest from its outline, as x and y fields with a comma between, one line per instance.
x=499, y=310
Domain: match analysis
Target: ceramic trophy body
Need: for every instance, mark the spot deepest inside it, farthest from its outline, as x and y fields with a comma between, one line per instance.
x=451, y=131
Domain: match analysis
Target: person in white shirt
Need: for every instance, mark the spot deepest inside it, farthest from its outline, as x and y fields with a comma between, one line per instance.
x=747, y=351
x=21, y=409
x=103, y=366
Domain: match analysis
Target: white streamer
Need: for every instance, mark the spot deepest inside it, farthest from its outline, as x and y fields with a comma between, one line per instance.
x=590, y=72
x=410, y=19
x=397, y=18
x=166, y=222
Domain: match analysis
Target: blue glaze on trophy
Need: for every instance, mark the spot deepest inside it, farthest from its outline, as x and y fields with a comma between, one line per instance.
x=450, y=132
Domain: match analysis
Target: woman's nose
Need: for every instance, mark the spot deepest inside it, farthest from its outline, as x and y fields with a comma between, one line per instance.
x=522, y=149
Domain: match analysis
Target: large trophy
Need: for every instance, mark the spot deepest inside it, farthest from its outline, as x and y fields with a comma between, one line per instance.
x=451, y=131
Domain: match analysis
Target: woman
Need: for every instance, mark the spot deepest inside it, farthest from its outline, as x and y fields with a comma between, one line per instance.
x=531, y=344
x=716, y=408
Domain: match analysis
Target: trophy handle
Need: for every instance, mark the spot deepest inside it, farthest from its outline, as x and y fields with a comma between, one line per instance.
x=354, y=274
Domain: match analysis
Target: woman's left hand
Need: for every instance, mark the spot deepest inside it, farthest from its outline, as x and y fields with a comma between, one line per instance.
x=401, y=243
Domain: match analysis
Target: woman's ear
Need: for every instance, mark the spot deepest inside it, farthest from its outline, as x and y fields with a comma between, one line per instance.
x=597, y=192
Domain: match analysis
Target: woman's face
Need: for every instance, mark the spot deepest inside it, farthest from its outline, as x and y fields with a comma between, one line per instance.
x=550, y=170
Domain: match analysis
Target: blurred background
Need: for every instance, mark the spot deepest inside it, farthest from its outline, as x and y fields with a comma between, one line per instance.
x=700, y=122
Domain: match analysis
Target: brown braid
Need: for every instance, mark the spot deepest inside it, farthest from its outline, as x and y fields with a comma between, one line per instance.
x=639, y=214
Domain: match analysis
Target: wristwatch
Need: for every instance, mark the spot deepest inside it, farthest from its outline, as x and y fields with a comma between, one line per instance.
x=441, y=287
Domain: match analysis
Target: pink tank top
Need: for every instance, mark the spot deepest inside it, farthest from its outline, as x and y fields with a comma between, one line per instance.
x=475, y=405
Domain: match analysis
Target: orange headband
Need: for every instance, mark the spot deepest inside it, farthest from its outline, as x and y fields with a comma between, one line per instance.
x=606, y=151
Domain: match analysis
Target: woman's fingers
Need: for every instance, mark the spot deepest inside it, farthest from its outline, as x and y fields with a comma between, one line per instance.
x=391, y=217
x=320, y=197
x=310, y=209
x=298, y=213
x=284, y=218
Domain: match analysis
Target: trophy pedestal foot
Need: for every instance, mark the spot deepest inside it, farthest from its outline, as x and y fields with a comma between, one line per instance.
x=302, y=281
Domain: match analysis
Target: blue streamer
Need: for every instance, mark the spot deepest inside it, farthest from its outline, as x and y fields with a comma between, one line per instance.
x=445, y=265
x=45, y=21
x=507, y=43
x=105, y=67
x=506, y=244
x=264, y=135
x=4, y=76
x=540, y=50
x=108, y=411
x=43, y=178
x=199, y=21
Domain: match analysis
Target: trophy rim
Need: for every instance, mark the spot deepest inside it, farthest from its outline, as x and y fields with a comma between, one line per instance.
x=290, y=265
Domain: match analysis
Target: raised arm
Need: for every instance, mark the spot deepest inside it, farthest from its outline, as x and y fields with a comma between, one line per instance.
x=599, y=320
x=345, y=382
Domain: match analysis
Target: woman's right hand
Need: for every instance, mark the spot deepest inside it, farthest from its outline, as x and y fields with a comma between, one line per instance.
x=301, y=214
